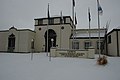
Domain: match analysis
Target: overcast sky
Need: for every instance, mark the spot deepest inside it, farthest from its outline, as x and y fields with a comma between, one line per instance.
x=21, y=13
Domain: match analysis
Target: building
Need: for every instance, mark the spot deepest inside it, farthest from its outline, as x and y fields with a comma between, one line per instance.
x=84, y=38
x=14, y=40
x=113, y=42
x=60, y=34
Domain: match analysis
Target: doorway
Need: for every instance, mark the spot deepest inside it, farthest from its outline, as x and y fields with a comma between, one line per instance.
x=51, y=39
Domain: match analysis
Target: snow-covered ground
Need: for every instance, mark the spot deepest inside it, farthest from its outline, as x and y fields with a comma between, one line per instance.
x=15, y=66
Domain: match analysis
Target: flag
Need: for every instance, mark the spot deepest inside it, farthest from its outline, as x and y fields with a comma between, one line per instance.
x=100, y=11
x=73, y=3
x=75, y=19
x=61, y=19
x=48, y=12
x=89, y=16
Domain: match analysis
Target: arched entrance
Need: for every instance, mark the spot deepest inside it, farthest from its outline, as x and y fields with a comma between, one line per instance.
x=51, y=39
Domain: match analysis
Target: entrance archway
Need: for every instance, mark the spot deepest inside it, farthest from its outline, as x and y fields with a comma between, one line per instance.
x=51, y=39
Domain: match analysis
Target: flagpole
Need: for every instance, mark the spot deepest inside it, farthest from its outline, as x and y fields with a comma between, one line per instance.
x=73, y=21
x=47, y=33
x=61, y=22
x=47, y=39
x=89, y=26
x=60, y=35
x=89, y=35
x=47, y=28
x=98, y=26
x=75, y=28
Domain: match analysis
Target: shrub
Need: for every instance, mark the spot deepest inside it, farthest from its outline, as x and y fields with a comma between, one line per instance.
x=102, y=60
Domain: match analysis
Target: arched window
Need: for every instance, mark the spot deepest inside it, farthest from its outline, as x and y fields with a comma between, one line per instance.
x=11, y=41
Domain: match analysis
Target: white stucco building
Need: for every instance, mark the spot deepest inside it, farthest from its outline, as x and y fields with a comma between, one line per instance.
x=14, y=40
x=84, y=41
x=113, y=42
x=60, y=35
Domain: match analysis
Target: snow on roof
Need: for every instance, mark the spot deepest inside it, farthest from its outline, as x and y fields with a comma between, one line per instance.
x=118, y=27
x=92, y=34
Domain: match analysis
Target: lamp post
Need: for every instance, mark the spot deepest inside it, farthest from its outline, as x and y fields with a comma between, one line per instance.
x=52, y=41
x=32, y=47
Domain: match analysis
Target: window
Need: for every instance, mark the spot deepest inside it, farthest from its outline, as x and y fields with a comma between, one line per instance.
x=40, y=22
x=87, y=44
x=61, y=20
x=51, y=21
x=75, y=45
x=36, y=22
x=11, y=41
x=109, y=39
x=62, y=27
x=64, y=20
x=101, y=45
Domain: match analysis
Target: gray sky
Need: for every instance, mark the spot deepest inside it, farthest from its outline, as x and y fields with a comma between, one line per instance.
x=21, y=13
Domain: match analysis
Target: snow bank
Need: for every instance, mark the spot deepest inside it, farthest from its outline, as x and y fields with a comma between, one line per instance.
x=14, y=66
